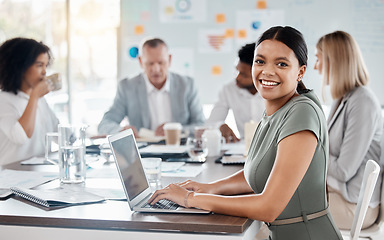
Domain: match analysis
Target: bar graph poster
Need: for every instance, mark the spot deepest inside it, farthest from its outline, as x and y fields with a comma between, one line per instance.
x=214, y=41
x=250, y=24
x=171, y=11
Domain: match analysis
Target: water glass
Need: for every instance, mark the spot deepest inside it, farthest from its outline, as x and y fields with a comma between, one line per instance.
x=197, y=148
x=71, y=153
x=52, y=147
x=152, y=169
x=106, y=152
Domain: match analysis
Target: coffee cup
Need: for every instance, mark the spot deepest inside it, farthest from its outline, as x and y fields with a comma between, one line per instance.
x=214, y=141
x=172, y=133
x=55, y=80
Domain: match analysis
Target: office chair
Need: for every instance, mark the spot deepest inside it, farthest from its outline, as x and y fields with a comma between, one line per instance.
x=376, y=231
x=371, y=172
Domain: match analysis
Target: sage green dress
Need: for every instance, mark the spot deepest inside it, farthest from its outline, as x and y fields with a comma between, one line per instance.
x=301, y=113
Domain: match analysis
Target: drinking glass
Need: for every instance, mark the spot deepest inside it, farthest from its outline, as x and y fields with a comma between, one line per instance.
x=197, y=148
x=152, y=169
x=71, y=153
x=52, y=147
x=106, y=153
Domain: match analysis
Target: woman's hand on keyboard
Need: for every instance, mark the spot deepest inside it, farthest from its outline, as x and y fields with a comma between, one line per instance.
x=173, y=192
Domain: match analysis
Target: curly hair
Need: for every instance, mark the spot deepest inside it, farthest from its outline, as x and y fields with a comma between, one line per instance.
x=246, y=53
x=16, y=56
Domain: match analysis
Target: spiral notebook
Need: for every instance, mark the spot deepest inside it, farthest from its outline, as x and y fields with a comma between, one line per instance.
x=57, y=197
x=233, y=160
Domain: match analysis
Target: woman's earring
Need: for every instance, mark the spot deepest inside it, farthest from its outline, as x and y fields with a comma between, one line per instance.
x=299, y=79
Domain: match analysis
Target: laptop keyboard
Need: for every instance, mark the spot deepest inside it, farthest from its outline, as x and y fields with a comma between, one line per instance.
x=162, y=204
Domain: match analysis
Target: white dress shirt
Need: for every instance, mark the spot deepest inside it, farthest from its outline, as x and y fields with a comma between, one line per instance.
x=14, y=143
x=159, y=103
x=245, y=107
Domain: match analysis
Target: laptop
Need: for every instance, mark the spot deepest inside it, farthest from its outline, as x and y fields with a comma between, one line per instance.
x=134, y=180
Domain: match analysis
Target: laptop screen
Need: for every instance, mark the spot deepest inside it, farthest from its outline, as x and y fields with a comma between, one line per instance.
x=128, y=160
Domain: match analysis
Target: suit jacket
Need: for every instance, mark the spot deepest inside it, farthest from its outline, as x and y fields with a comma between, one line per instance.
x=355, y=131
x=131, y=101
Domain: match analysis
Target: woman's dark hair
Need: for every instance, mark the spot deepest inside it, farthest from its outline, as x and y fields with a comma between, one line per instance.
x=292, y=39
x=246, y=53
x=16, y=56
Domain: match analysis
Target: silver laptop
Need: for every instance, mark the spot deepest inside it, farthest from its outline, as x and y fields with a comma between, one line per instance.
x=134, y=181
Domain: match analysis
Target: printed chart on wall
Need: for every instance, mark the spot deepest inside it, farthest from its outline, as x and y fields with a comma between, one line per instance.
x=214, y=41
x=182, y=11
x=251, y=23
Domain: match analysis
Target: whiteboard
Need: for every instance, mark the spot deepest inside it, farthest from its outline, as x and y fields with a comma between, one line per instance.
x=363, y=19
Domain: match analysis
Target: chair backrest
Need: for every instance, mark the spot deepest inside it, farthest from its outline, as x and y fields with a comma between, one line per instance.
x=380, y=219
x=371, y=172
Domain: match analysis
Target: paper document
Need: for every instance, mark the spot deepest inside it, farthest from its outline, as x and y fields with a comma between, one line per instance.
x=146, y=135
x=186, y=171
x=163, y=149
x=234, y=148
x=109, y=188
x=26, y=179
x=36, y=161
x=169, y=167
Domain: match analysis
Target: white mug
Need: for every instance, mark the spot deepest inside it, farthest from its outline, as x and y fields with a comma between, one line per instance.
x=214, y=141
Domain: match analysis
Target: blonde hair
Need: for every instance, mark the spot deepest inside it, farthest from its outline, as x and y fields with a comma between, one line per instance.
x=343, y=65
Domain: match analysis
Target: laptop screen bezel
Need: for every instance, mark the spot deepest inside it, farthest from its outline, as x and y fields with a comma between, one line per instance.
x=139, y=197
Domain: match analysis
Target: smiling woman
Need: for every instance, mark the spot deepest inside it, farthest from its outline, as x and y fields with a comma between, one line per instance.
x=283, y=181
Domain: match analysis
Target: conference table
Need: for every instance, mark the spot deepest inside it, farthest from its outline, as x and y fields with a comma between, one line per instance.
x=20, y=219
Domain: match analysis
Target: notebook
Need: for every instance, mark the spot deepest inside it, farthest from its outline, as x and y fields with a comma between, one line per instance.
x=134, y=181
x=57, y=197
x=233, y=160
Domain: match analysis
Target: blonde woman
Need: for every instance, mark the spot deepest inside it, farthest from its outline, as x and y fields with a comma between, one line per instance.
x=355, y=126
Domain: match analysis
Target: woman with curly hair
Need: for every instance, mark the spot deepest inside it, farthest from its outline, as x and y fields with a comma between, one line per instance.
x=25, y=117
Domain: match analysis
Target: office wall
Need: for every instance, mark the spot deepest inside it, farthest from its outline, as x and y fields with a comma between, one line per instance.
x=205, y=35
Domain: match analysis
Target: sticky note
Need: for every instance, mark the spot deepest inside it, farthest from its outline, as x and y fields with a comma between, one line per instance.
x=229, y=33
x=261, y=4
x=220, y=18
x=139, y=29
x=216, y=70
x=145, y=16
x=242, y=33
x=169, y=10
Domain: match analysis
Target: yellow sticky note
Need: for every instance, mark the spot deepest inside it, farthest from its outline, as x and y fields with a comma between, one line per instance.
x=229, y=33
x=139, y=29
x=242, y=33
x=216, y=70
x=220, y=18
x=169, y=10
x=261, y=4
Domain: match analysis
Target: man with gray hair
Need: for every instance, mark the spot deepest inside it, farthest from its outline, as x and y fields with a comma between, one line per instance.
x=154, y=97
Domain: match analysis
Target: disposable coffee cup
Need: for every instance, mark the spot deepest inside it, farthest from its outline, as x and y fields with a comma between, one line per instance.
x=55, y=80
x=172, y=133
